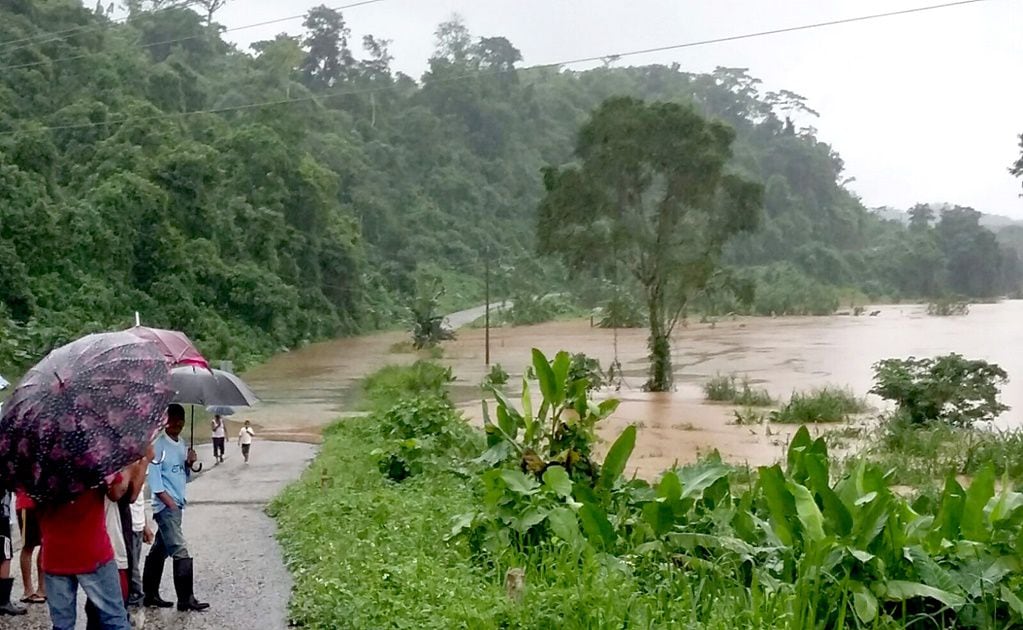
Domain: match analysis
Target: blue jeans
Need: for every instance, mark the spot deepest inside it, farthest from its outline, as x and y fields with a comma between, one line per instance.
x=102, y=587
x=169, y=539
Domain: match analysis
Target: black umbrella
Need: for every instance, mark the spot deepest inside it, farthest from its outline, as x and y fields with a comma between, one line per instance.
x=206, y=387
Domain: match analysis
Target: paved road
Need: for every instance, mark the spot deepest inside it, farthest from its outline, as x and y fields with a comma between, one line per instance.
x=468, y=316
x=239, y=567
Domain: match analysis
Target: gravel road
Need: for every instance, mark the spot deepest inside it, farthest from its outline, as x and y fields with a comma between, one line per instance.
x=238, y=565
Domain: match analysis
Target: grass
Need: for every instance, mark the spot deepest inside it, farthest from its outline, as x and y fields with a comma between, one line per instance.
x=923, y=456
x=825, y=404
x=731, y=389
x=366, y=552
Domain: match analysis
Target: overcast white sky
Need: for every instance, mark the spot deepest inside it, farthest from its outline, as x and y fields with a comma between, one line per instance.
x=922, y=107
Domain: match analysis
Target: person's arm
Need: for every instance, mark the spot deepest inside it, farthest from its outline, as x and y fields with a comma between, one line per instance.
x=138, y=478
x=118, y=486
x=155, y=479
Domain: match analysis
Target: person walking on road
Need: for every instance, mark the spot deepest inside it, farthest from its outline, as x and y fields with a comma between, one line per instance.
x=245, y=436
x=170, y=470
x=219, y=437
x=7, y=607
x=28, y=522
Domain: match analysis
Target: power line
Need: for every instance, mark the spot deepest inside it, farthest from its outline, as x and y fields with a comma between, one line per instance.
x=172, y=41
x=631, y=53
x=59, y=35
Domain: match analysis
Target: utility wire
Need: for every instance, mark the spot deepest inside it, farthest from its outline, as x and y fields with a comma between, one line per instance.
x=59, y=35
x=177, y=40
x=556, y=64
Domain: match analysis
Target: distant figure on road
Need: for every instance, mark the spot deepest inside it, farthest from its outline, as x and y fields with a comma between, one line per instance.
x=245, y=440
x=219, y=437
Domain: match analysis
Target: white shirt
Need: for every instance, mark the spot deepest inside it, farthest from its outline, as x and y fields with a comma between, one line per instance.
x=138, y=511
x=116, y=534
x=245, y=435
x=219, y=432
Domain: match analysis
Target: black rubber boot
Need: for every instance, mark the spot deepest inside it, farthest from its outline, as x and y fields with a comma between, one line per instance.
x=152, y=573
x=7, y=607
x=183, y=586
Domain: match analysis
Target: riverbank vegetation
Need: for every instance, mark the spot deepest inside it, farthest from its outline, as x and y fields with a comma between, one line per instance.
x=148, y=149
x=523, y=526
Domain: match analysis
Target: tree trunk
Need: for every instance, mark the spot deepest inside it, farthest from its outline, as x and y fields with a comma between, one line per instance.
x=661, y=377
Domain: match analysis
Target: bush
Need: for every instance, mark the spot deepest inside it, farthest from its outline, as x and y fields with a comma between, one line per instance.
x=784, y=290
x=948, y=308
x=391, y=383
x=420, y=431
x=947, y=389
x=827, y=404
x=728, y=389
x=497, y=377
x=622, y=312
x=529, y=309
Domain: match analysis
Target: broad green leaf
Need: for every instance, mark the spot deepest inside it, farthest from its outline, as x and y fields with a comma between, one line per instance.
x=836, y=516
x=930, y=572
x=659, y=516
x=597, y=528
x=869, y=520
x=564, y=524
x=1004, y=505
x=801, y=441
x=696, y=479
x=780, y=503
x=617, y=457
x=669, y=488
x=691, y=541
x=507, y=423
x=529, y=518
x=461, y=523
x=527, y=400
x=559, y=367
x=556, y=479
x=517, y=481
x=864, y=603
x=978, y=494
x=807, y=511
x=608, y=407
x=950, y=510
x=544, y=374
x=1013, y=600
x=898, y=590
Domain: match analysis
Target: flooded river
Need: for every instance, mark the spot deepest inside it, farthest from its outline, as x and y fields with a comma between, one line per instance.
x=311, y=387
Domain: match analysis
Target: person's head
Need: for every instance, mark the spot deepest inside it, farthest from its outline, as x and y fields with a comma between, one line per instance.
x=217, y=418
x=175, y=419
x=246, y=423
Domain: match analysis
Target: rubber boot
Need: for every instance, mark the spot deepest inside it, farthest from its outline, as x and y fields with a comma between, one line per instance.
x=152, y=573
x=7, y=607
x=183, y=586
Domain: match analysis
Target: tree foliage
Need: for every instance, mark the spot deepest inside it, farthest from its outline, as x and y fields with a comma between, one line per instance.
x=653, y=193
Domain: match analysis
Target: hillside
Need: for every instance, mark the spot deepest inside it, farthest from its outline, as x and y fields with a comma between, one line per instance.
x=262, y=199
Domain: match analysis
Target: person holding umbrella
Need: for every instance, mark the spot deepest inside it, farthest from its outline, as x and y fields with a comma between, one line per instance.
x=75, y=422
x=7, y=607
x=168, y=474
x=219, y=434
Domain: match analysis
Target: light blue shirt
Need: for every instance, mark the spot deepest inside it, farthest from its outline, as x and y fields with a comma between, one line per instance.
x=168, y=472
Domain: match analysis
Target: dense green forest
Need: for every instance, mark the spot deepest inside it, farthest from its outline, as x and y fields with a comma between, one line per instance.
x=261, y=199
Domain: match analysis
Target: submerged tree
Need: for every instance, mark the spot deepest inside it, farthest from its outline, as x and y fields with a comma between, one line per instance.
x=653, y=194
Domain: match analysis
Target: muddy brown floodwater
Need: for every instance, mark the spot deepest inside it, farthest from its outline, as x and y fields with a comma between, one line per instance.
x=309, y=388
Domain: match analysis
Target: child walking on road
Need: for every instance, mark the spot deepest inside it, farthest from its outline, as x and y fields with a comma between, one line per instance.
x=245, y=440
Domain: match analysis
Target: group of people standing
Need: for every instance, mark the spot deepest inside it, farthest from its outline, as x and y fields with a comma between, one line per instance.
x=95, y=541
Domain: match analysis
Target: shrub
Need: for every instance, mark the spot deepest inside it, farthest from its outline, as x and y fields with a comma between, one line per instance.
x=947, y=389
x=497, y=377
x=391, y=383
x=827, y=404
x=728, y=389
x=586, y=368
x=948, y=308
x=622, y=312
x=418, y=431
x=529, y=309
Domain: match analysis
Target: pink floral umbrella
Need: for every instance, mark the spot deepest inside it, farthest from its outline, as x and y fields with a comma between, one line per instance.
x=84, y=412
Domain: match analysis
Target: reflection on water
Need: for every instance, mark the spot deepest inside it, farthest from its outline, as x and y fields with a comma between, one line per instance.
x=313, y=386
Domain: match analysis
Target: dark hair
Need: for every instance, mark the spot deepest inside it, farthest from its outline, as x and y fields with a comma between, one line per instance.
x=175, y=412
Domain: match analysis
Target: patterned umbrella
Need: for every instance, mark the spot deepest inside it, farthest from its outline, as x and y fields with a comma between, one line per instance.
x=176, y=346
x=84, y=412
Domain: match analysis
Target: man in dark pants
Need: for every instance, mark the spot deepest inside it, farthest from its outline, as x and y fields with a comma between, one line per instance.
x=169, y=472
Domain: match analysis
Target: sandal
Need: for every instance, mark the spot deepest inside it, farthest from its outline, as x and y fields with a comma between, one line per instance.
x=34, y=598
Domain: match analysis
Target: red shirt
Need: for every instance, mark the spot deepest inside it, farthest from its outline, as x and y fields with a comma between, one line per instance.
x=74, y=535
x=23, y=502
